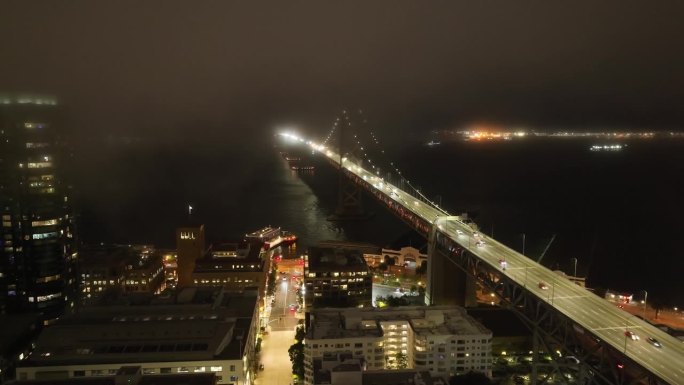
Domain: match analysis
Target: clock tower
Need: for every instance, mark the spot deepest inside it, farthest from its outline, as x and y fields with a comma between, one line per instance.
x=189, y=247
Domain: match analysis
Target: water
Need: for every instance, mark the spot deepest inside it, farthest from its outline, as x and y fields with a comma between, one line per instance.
x=618, y=213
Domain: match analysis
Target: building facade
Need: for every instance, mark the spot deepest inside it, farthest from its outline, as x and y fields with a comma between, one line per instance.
x=233, y=267
x=190, y=246
x=119, y=269
x=443, y=340
x=37, y=254
x=336, y=275
x=408, y=257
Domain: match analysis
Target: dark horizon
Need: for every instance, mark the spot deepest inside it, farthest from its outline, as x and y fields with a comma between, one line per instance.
x=163, y=69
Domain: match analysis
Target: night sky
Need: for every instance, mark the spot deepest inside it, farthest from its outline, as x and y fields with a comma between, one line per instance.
x=222, y=68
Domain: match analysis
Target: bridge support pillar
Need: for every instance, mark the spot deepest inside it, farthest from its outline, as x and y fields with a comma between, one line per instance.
x=447, y=284
x=350, y=203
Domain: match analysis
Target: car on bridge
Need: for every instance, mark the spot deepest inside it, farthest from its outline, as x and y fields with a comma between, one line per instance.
x=631, y=335
x=654, y=342
x=459, y=232
x=480, y=243
x=503, y=263
x=543, y=285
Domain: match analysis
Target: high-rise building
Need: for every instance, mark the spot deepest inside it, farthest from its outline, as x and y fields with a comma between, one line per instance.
x=37, y=256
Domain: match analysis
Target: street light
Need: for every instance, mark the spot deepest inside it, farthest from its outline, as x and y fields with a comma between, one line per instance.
x=645, y=297
x=523, y=250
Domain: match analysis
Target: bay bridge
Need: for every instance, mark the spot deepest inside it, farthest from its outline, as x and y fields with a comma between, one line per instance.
x=612, y=345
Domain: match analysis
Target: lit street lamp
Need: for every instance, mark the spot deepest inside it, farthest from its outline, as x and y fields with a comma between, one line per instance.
x=645, y=297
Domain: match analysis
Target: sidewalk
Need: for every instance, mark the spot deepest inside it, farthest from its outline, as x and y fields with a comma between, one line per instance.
x=276, y=360
x=669, y=317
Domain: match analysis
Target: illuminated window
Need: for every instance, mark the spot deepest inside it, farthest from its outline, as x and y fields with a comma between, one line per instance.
x=48, y=222
x=39, y=164
x=52, y=234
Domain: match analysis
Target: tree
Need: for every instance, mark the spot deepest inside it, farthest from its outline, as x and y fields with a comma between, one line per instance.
x=401, y=360
x=271, y=281
x=414, y=288
x=296, y=353
x=422, y=269
x=389, y=261
x=658, y=305
x=392, y=301
x=470, y=378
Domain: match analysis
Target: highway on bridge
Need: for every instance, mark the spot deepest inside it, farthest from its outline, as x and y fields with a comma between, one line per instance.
x=592, y=313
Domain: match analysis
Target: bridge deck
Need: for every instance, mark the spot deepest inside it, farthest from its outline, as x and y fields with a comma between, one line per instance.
x=594, y=314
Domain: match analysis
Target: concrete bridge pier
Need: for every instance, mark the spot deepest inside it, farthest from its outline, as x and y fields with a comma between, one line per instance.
x=447, y=283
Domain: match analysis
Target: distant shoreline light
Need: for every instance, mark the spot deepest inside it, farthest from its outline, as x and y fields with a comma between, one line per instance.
x=28, y=99
x=607, y=147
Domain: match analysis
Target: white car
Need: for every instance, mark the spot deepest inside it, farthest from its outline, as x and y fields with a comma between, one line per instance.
x=459, y=232
x=631, y=335
x=476, y=235
x=480, y=243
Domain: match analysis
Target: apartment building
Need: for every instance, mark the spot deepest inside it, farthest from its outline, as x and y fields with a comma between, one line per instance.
x=443, y=340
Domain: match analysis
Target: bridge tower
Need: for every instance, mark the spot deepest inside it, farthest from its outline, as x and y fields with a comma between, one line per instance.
x=447, y=283
x=350, y=197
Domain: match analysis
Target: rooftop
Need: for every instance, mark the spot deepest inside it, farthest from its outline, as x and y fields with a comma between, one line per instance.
x=180, y=331
x=399, y=377
x=157, y=379
x=365, y=322
x=337, y=258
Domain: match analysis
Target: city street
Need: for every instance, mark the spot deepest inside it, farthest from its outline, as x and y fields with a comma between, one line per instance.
x=280, y=332
x=274, y=357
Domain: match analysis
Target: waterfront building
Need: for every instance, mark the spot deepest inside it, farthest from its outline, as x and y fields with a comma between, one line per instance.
x=235, y=266
x=408, y=257
x=37, y=255
x=443, y=340
x=200, y=330
x=336, y=275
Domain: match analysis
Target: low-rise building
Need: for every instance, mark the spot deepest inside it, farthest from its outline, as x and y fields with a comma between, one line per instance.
x=408, y=257
x=200, y=330
x=107, y=269
x=102, y=269
x=130, y=375
x=344, y=370
x=443, y=340
x=234, y=267
x=336, y=275
x=144, y=274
